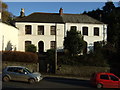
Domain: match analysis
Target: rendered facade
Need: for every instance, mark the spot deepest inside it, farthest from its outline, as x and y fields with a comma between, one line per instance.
x=45, y=29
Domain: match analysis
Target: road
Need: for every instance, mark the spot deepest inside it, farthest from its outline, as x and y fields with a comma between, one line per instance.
x=50, y=82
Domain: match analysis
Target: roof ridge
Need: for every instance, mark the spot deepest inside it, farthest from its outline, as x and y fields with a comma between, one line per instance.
x=56, y=13
x=43, y=13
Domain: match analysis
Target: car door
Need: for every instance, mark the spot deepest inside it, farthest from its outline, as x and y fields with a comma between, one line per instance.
x=119, y=83
x=104, y=79
x=114, y=81
x=21, y=76
x=11, y=71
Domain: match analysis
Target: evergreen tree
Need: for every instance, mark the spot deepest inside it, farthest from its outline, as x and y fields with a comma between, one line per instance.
x=109, y=6
x=74, y=42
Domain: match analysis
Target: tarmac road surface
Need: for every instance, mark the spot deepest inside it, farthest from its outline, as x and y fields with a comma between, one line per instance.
x=50, y=82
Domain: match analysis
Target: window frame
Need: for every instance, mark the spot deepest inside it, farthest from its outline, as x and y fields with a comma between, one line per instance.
x=85, y=30
x=111, y=76
x=40, y=30
x=96, y=31
x=52, y=44
x=104, y=78
x=27, y=44
x=28, y=29
x=53, y=31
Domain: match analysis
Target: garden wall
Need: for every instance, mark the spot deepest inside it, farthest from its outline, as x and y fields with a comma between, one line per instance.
x=31, y=66
x=81, y=71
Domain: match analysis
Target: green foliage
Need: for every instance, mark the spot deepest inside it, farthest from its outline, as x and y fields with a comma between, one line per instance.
x=19, y=56
x=111, y=16
x=7, y=17
x=51, y=59
x=109, y=6
x=51, y=55
x=92, y=59
x=31, y=48
x=74, y=42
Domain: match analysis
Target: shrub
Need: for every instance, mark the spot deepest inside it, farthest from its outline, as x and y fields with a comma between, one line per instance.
x=31, y=48
x=19, y=56
x=92, y=59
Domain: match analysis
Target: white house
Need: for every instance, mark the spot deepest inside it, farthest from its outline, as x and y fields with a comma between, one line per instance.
x=8, y=37
x=39, y=29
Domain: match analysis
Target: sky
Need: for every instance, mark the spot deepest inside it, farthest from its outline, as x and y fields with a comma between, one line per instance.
x=53, y=7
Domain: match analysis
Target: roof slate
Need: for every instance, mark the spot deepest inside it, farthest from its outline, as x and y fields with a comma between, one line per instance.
x=57, y=18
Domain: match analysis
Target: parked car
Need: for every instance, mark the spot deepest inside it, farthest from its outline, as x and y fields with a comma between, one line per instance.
x=19, y=73
x=105, y=80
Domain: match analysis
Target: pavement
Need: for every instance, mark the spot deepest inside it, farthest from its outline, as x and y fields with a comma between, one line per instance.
x=67, y=77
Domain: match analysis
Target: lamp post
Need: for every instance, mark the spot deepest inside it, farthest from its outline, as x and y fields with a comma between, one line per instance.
x=55, y=47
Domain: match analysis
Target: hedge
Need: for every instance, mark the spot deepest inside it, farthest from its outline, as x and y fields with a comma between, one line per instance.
x=19, y=56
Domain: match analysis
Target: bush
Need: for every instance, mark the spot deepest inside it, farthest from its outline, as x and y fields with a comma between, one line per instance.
x=19, y=56
x=92, y=59
x=96, y=59
x=31, y=48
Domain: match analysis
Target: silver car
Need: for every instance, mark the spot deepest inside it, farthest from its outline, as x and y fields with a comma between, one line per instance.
x=19, y=73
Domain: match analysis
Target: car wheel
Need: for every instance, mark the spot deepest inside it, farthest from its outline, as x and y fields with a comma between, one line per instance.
x=31, y=81
x=6, y=78
x=99, y=85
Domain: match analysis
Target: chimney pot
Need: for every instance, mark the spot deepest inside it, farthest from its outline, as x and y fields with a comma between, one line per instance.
x=61, y=11
x=22, y=13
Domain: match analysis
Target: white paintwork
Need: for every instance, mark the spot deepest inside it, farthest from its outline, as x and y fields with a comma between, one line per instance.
x=90, y=39
x=17, y=37
x=61, y=33
x=0, y=15
x=35, y=38
x=8, y=34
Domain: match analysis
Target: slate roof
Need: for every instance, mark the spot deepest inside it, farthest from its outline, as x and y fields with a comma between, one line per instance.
x=57, y=18
x=41, y=17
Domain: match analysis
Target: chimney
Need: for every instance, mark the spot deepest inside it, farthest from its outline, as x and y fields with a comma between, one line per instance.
x=61, y=11
x=22, y=13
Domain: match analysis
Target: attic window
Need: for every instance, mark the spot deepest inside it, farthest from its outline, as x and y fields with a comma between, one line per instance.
x=28, y=29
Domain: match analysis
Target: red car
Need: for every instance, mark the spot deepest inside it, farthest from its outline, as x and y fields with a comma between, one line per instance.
x=105, y=80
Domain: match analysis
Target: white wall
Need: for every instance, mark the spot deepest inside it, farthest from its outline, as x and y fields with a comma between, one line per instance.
x=8, y=37
x=0, y=15
x=90, y=39
x=46, y=38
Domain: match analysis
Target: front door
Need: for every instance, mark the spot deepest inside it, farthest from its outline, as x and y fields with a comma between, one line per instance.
x=41, y=47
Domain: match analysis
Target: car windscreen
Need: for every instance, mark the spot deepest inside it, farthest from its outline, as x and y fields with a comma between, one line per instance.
x=28, y=70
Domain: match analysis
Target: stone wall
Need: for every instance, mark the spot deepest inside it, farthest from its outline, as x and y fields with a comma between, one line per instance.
x=81, y=71
x=30, y=66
